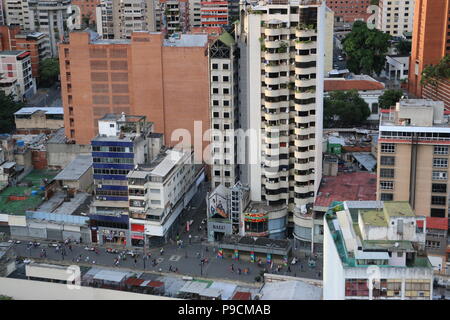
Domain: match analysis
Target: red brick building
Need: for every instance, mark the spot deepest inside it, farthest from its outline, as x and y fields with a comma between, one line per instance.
x=430, y=43
x=349, y=10
x=37, y=43
x=87, y=8
x=165, y=80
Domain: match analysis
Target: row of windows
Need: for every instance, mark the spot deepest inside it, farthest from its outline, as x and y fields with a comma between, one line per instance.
x=114, y=160
x=111, y=171
x=112, y=149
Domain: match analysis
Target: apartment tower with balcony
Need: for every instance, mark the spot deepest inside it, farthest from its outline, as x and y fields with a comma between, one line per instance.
x=281, y=65
x=413, y=156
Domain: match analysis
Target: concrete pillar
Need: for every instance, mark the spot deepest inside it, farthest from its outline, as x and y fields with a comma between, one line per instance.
x=403, y=288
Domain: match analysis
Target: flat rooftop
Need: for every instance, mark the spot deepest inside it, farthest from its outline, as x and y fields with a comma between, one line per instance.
x=33, y=193
x=347, y=186
x=76, y=168
x=47, y=110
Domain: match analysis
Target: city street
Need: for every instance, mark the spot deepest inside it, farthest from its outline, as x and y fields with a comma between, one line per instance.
x=46, y=97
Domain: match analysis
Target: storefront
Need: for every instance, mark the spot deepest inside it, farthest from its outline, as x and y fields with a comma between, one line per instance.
x=110, y=229
x=217, y=229
x=256, y=224
x=137, y=235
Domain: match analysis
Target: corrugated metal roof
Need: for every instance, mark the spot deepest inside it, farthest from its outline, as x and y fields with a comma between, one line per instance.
x=48, y=110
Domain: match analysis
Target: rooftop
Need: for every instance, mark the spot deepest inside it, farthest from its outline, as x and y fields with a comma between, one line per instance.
x=374, y=218
x=11, y=52
x=434, y=223
x=76, y=168
x=187, y=40
x=47, y=110
x=346, y=186
x=27, y=195
x=338, y=84
x=398, y=209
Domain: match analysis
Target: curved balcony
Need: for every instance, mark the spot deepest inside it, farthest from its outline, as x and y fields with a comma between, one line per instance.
x=272, y=31
x=303, y=154
x=305, y=33
x=272, y=152
x=302, y=178
x=272, y=116
x=272, y=44
x=307, y=58
x=304, y=71
x=303, y=220
x=305, y=95
x=308, y=45
x=268, y=68
x=302, y=143
x=276, y=56
x=272, y=81
x=305, y=83
x=273, y=105
x=304, y=107
x=272, y=185
x=303, y=189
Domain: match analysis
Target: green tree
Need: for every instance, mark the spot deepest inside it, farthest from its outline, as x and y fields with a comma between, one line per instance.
x=431, y=74
x=403, y=47
x=345, y=109
x=366, y=49
x=389, y=98
x=8, y=107
x=48, y=72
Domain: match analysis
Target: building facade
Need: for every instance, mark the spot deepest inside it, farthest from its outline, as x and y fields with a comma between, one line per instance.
x=37, y=43
x=282, y=48
x=158, y=192
x=349, y=11
x=15, y=66
x=413, y=150
x=117, y=19
x=430, y=43
x=374, y=251
x=38, y=120
x=396, y=17
x=224, y=110
x=87, y=11
x=112, y=76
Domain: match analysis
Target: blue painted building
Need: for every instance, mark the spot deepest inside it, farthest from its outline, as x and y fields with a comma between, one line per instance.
x=123, y=142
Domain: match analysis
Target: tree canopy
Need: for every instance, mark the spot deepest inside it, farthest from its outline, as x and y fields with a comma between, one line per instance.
x=8, y=107
x=48, y=72
x=345, y=109
x=403, y=47
x=366, y=49
x=431, y=74
x=389, y=98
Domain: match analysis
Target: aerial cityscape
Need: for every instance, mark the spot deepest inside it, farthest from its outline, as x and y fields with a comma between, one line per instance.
x=224, y=150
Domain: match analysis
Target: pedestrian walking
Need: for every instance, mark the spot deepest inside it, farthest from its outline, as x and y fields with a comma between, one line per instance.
x=81, y=240
x=176, y=270
x=161, y=251
x=135, y=262
x=170, y=268
x=70, y=247
x=239, y=271
x=289, y=269
x=232, y=267
x=190, y=239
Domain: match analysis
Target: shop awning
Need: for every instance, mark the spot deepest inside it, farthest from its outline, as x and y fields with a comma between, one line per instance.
x=134, y=282
x=137, y=237
x=239, y=295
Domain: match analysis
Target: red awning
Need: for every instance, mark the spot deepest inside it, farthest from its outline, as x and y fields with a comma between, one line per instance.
x=137, y=237
x=434, y=223
x=155, y=284
x=239, y=295
x=137, y=227
x=134, y=282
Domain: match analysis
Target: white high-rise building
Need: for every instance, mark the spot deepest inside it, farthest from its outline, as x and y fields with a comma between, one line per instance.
x=282, y=49
x=117, y=19
x=396, y=16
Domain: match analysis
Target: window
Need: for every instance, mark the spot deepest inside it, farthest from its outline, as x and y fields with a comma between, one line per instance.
x=438, y=200
x=387, y=161
x=386, y=173
x=216, y=90
x=387, y=197
x=226, y=79
x=215, y=78
x=215, y=66
x=440, y=162
x=437, y=213
x=375, y=108
x=439, y=175
x=225, y=66
x=439, y=187
x=387, y=185
x=387, y=147
x=440, y=150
